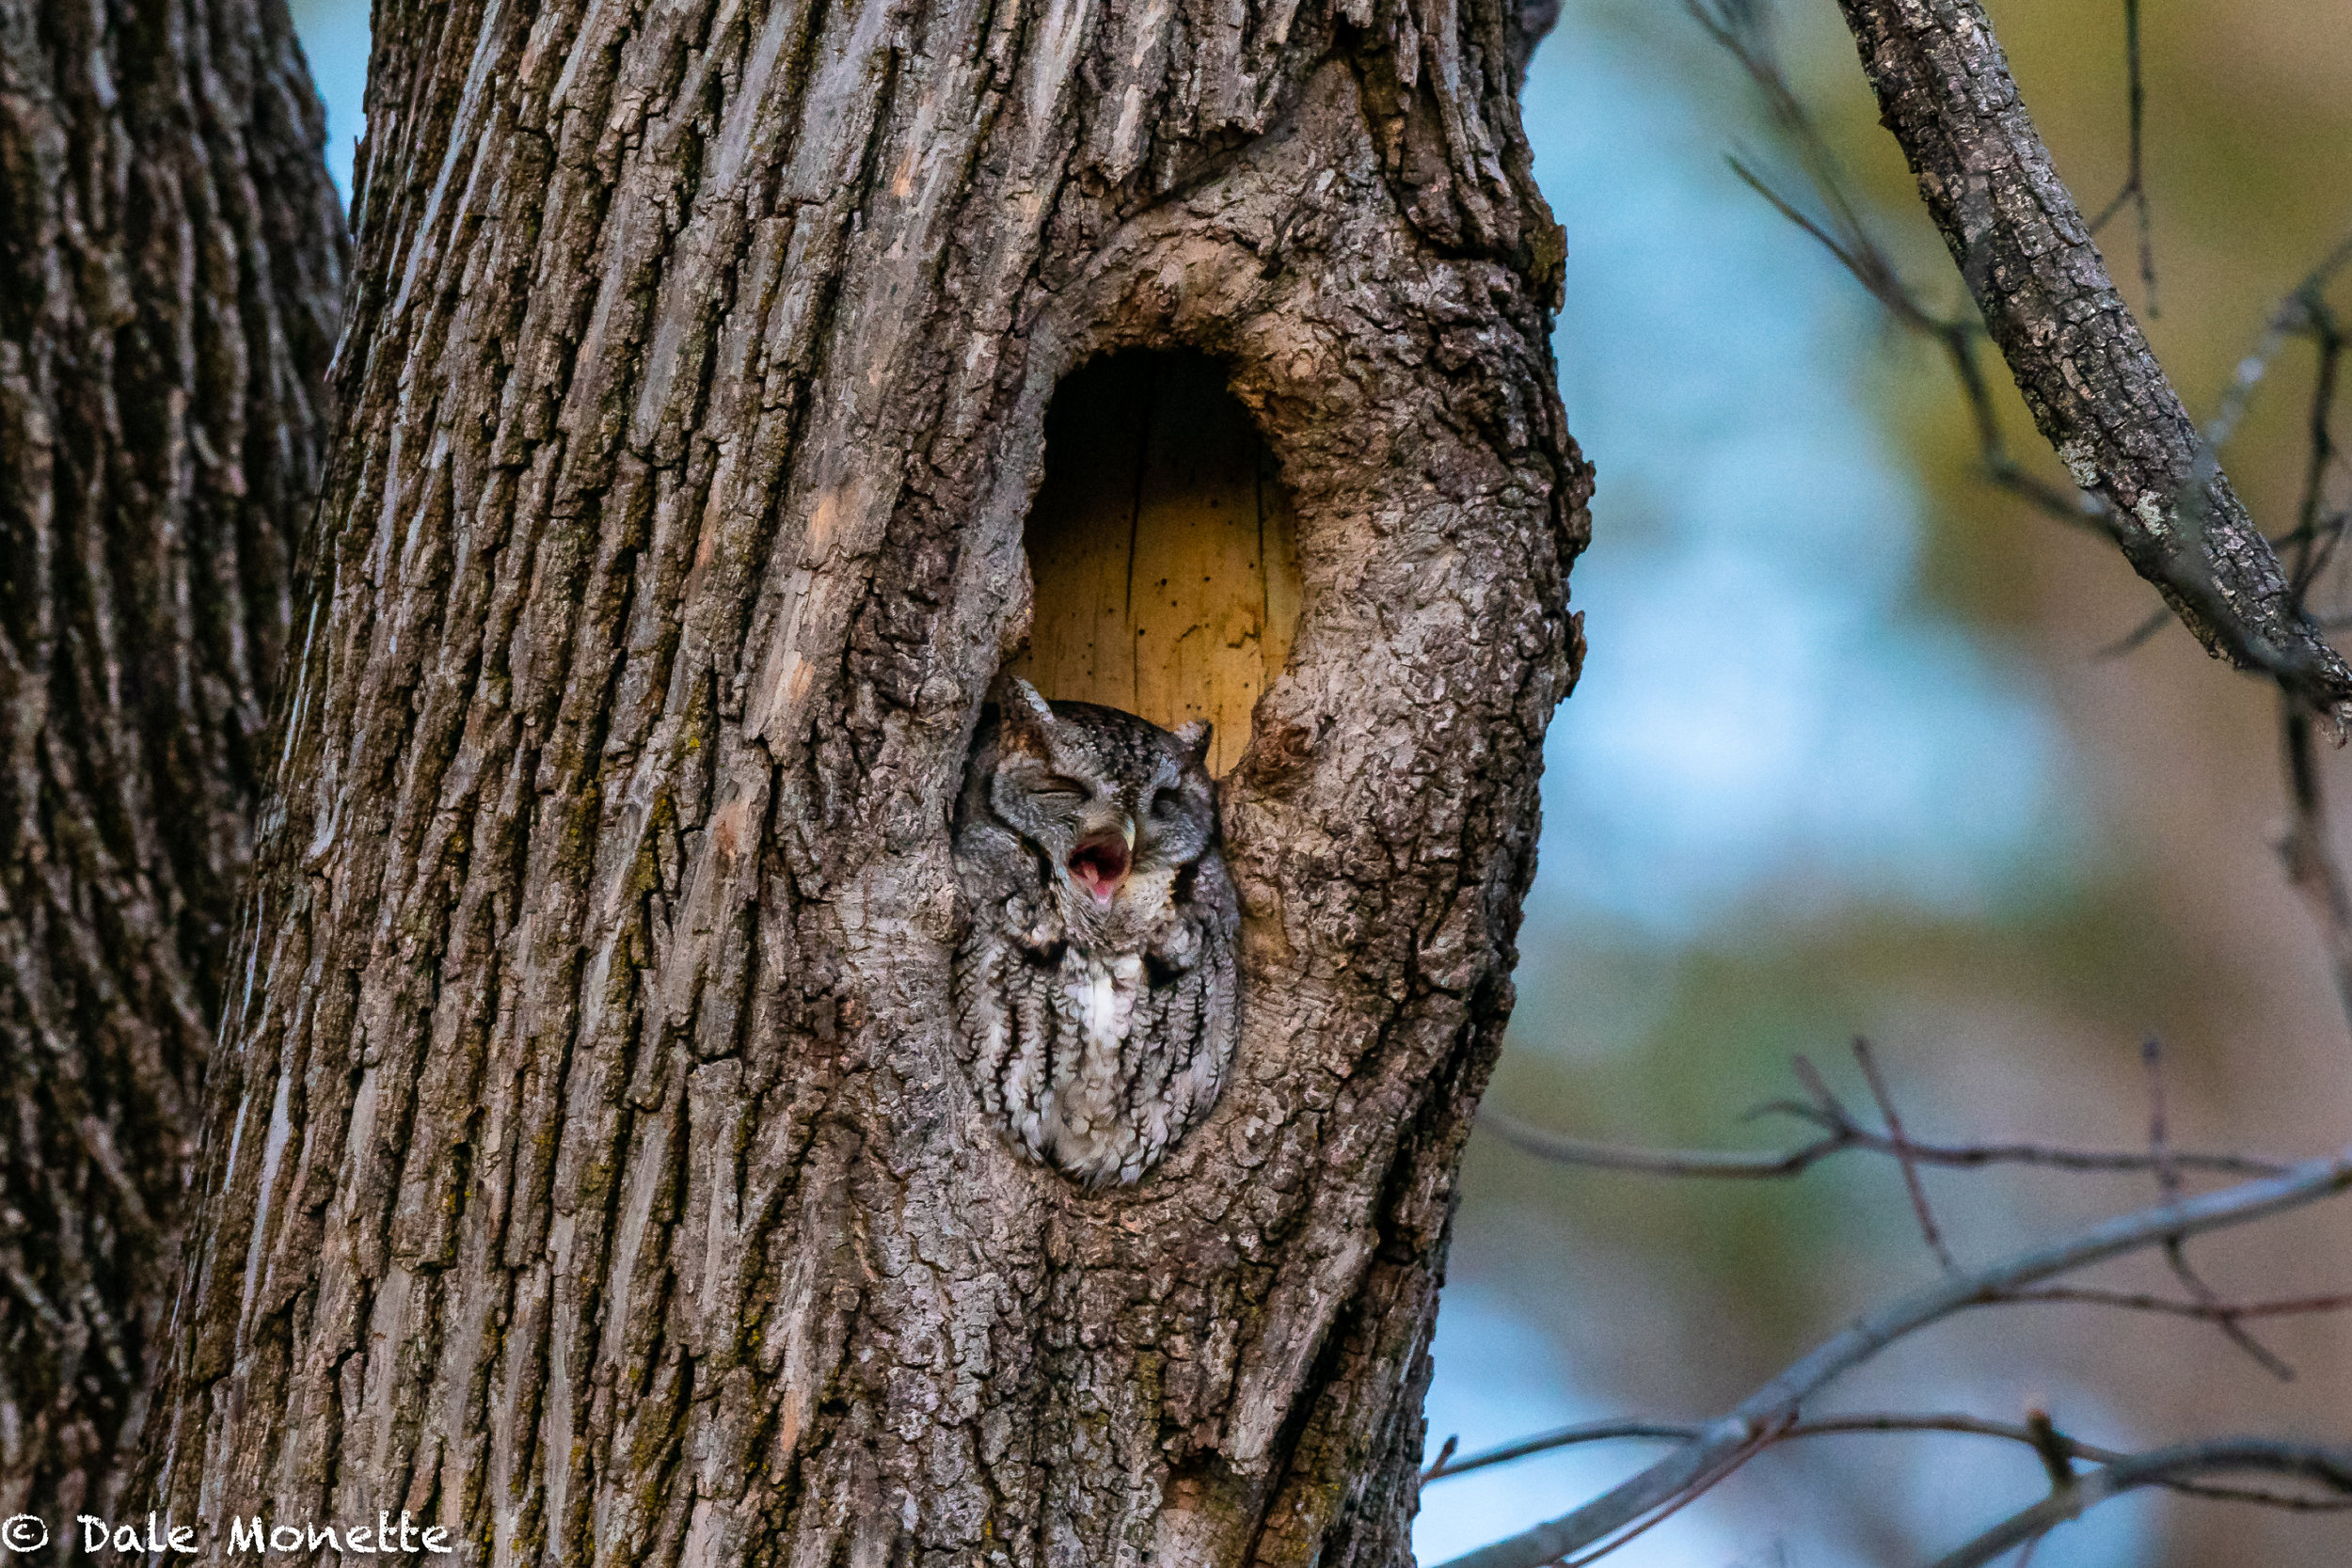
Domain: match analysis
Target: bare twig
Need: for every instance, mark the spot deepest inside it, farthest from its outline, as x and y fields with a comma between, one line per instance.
x=1861, y=1423
x=2056, y=1453
x=2329, y=1468
x=1929, y=1232
x=2203, y=1312
x=2075, y=1446
x=2159, y=1139
x=1659, y=1162
x=2316, y=544
x=2058, y=1464
x=1773, y=1406
x=2312, y=867
x=1565, y=1150
x=2286, y=323
x=1698, y=1488
x=2169, y=1186
x=2134, y=191
x=2136, y=638
x=1841, y=1132
x=1448, y=1466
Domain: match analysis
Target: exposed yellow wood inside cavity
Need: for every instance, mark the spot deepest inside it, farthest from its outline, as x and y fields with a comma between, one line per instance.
x=1162, y=550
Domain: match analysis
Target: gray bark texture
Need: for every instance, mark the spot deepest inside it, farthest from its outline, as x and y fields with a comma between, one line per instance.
x=171, y=267
x=2093, y=386
x=588, y=1165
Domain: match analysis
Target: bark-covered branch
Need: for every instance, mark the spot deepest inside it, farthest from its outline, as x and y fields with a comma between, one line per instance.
x=1767, y=1414
x=2087, y=375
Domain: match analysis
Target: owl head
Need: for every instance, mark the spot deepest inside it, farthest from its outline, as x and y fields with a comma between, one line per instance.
x=1113, y=804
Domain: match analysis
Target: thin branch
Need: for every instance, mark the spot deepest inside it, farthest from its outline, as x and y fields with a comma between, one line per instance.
x=2195, y=543
x=1862, y=260
x=2136, y=638
x=1766, y=1164
x=2313, y=868
x=2202, y=1311
x=1559, y=1437
x=2314, y=544
x=2134, y=191
x=1697, y=1489
x=1851, y=1425
x=1565, y=1150
x=1774, y=1405
x=1929, y=1232
x=2330, y=1467
x=2159, y=1139
x=2075, y=1446
x=1742, y=29
x=2287, y=321
x=1840, y=1132
x=2057, y=1456
x=2169, y=1186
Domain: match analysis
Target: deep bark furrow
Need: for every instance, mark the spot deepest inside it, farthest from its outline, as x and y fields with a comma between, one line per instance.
x=168, y=292
x=611, y=1184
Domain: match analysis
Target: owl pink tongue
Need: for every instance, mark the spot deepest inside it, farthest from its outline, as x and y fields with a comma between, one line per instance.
x=1099, y=866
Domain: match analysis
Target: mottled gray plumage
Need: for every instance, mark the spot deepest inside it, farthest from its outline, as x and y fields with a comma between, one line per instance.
x=1094, y=992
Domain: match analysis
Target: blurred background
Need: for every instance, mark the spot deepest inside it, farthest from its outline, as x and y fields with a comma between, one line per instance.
x=1849, y=758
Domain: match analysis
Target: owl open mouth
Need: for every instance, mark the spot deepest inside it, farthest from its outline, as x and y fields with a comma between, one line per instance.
x=1099, y=865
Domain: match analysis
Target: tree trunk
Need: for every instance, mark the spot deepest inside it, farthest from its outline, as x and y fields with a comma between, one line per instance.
x=171, y=267
x=589, y=1166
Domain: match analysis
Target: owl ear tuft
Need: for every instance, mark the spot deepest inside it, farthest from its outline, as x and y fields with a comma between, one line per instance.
x=1193, y=737
x=1025, y=712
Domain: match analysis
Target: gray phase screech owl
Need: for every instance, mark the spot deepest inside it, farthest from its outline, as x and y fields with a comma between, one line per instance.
x=1094, y=994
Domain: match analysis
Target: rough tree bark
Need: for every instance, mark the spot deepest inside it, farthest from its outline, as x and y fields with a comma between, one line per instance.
x=587, y=1164
x=171, y=265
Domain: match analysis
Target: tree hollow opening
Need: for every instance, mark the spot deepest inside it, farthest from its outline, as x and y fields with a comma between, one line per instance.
x=1163, y=548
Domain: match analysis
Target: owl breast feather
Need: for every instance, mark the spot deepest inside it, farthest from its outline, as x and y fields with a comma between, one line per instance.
x=1095, y=1063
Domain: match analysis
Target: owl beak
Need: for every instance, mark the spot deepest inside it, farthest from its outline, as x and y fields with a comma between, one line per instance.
x=1100, y=864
